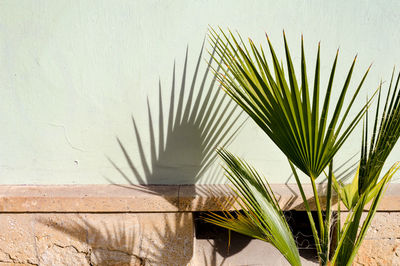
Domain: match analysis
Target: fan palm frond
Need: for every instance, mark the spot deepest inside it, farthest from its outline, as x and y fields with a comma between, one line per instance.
x=282, y=105
x=286, y=110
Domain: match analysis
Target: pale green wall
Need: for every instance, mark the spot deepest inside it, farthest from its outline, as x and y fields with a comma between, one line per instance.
x=73, y=72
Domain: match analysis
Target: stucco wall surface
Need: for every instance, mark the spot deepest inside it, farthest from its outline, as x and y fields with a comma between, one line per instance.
x=73, y=76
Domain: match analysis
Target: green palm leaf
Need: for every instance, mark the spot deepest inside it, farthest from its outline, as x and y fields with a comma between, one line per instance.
x=283, y=109
x=261, y=216
x=384, y=137
x=287, y=112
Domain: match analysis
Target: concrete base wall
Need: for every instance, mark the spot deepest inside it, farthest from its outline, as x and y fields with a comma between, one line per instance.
x=381, y=245
x=151, y=238
x=96, y=239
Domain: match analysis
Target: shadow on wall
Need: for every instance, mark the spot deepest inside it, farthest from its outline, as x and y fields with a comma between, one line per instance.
x=185, y=150
x=182, y=154
x=115, y=239
x=200, y=118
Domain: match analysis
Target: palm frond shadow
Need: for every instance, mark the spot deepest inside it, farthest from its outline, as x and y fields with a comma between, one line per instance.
x=124, y=240
x=182, y=146
x=107, y=245
x=175, y=230
x=210, y=261
x=185, y=148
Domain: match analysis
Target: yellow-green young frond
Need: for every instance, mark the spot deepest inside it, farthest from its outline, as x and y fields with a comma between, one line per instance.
x=348, y=192
x=282, y=103
x=367, y=186
x=261, y=216
x=374, y=152
x=354, y=229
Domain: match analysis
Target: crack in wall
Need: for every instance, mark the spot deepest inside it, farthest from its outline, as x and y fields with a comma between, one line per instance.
x=66, y=137
x=94, y=253
x=11, y=259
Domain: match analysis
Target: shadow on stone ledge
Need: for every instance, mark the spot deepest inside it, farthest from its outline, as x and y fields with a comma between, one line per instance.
x=182, y=145
x=116, y=239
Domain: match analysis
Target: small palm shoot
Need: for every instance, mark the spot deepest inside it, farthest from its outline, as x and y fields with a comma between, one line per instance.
x=261, y=216
x=366, y=185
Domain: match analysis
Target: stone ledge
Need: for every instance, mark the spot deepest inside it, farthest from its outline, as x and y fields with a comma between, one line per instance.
x=88, y=198
x=152, y=198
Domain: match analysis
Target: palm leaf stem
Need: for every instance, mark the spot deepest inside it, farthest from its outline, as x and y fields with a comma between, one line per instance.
x=327, y=224
x=308, y=209
x=318, y=206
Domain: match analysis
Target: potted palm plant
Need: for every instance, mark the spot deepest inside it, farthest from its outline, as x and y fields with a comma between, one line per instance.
x=289, y=111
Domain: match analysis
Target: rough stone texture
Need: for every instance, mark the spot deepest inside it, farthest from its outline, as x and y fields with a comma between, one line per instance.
x=110, y=235
x=152, y=239
x=385, y=225
x=146, y=226
x=61, y=239
x=380, y=252
x=381, y=245
x=168, y=240
x=96, y=239
x=148, y=238
x=62, y=255
x=17, y=242
x=114, y=257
